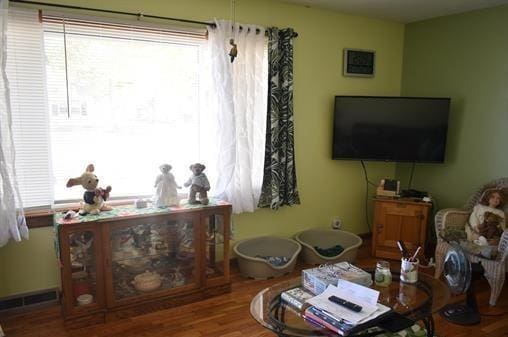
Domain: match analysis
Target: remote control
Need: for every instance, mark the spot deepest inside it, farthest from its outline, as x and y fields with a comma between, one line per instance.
x=344, y=303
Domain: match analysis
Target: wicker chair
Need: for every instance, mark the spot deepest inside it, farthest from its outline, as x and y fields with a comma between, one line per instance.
x=456, y=219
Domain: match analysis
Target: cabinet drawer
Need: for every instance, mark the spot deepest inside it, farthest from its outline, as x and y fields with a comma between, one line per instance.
x=403, y=209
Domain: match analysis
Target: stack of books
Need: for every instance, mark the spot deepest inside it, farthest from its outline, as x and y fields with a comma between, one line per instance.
x=322, y=319
x=344, y=281
x=296, y=297
x=359, y=308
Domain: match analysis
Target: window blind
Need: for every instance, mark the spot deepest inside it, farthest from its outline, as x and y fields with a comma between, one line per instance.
x=26, y=74
x=126, y=98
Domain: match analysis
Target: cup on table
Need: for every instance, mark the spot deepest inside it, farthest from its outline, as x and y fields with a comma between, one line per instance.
x=409, y=270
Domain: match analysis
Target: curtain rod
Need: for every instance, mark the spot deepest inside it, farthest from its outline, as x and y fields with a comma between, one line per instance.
x=139, y=15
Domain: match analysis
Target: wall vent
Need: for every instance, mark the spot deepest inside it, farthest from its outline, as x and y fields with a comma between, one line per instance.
x=29, y=300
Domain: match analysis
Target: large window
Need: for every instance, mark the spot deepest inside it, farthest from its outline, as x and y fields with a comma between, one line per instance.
x=133, y=95
x=123, y=97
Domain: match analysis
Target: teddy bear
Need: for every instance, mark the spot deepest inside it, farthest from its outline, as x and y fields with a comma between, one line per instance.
x=198, y=183
x=490, y=228
x=94, y=197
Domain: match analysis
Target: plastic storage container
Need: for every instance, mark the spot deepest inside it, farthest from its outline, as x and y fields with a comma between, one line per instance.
x=251, y=263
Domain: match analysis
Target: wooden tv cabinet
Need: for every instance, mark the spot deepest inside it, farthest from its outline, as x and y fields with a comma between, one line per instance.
x=398, y=219
x=129, y=262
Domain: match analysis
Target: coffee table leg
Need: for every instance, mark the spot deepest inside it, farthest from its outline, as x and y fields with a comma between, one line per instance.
x=428, y=322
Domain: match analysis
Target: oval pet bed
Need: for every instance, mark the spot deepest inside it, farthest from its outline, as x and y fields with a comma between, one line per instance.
x=266, y=256
x=333, y=245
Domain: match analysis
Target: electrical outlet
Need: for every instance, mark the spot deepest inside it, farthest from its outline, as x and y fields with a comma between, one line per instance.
x=336, y=223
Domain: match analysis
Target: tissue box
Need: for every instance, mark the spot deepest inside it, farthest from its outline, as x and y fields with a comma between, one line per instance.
x=316, y=280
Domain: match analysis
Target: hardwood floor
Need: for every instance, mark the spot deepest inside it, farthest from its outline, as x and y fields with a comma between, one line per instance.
x=228, y=315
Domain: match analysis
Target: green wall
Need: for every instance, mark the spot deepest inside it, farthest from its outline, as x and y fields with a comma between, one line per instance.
x=328, y=188
x=464, y=57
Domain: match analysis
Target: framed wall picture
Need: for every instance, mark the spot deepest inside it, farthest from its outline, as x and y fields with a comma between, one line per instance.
x=358, y=62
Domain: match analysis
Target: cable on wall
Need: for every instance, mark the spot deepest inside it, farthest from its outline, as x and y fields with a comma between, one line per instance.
x=411, y=176
x=367, y=183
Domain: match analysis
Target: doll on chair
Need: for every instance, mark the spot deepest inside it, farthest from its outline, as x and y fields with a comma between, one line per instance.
x=487, y=221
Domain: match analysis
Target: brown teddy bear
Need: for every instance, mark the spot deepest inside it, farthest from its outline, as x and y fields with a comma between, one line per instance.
x=490, y=228
x=198, y=183
x=94, y=197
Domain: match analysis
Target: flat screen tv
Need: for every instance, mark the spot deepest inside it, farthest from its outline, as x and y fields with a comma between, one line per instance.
x=401, y=129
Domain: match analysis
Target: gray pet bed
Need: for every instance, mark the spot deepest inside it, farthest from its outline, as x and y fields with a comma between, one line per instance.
x=325, y=238
x=253, y=266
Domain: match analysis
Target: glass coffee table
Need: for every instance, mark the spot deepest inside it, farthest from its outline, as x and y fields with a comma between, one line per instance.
x=415, y=301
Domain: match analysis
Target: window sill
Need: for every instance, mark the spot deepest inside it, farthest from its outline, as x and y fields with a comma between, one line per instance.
x=39, y=219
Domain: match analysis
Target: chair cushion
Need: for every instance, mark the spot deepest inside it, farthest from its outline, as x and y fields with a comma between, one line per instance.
x=330, y=251
x=453, y=234
x=277, y=261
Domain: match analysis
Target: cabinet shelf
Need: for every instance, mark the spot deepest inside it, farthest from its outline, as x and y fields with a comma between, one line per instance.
x=141, y=257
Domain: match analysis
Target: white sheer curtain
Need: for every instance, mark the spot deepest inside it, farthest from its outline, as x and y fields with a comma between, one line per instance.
x=240, y=98
x=12, y=221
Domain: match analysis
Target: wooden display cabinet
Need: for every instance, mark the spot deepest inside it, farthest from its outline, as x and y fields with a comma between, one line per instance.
x=398, y=219
x=136, y=263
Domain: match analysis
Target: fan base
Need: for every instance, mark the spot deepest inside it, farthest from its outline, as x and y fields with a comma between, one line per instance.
x=460, y=314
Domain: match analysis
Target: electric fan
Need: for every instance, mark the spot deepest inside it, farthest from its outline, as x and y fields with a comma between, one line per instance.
x=459, y=273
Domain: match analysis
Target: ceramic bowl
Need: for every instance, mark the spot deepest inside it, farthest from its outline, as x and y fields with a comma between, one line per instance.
x=85, y=299
x=147, y=281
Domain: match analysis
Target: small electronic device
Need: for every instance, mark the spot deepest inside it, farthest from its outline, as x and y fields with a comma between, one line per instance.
x=344, y=303
x=414, y=194
x=388, y=188
x=359, y=62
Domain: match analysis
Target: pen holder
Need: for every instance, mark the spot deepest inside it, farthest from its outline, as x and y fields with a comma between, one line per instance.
x=409, y=271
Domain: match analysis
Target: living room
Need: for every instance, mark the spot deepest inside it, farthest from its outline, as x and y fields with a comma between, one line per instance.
x=459, y=54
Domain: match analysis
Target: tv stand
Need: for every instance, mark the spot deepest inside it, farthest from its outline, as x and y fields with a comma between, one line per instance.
x=398, y=219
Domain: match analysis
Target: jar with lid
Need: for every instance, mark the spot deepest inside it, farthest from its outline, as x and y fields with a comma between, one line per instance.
x=383, y=275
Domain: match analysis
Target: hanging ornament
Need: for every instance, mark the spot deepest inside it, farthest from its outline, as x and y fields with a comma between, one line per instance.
x=233, y=53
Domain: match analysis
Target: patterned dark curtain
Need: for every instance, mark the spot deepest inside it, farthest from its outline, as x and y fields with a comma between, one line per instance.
x=279, y=180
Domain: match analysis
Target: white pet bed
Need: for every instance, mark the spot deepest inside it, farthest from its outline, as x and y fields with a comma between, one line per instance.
x=259, y=268
x=326, y=238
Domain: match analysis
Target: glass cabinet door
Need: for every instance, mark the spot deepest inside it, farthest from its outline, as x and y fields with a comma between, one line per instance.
x=216, y=231
x=152, y=255
x=81, y=249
